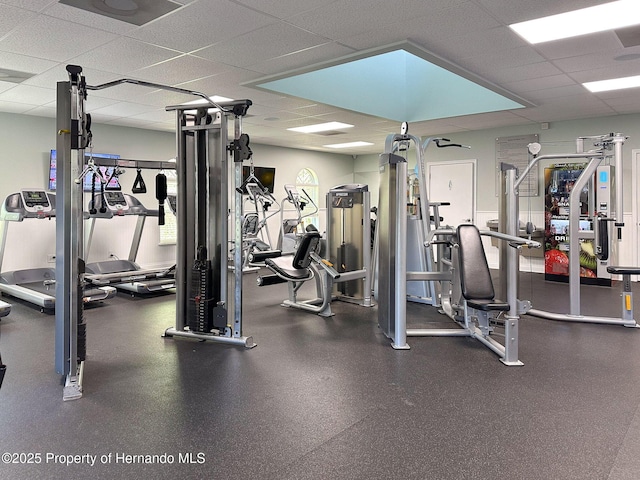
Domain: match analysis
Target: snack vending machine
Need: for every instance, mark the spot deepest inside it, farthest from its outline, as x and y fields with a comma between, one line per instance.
x=558, y=182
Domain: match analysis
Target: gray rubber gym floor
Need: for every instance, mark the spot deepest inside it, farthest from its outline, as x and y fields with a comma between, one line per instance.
x=324, y=398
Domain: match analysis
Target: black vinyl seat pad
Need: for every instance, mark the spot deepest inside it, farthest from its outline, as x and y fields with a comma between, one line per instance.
x=489, y=305
x=283, y=267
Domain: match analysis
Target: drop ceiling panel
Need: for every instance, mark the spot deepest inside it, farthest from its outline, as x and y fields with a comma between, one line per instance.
x=431, y=28
x=124, y=109
x=539, y=83
x=158, y=115
x=473, y=122
x=123, y=92
x=231, y=78
x=470, y=44
x=346, y=18
x=44, y=111
x=624, y=69
x=544, y=95
x=317, y=109
x=201, y=24
x=514, y=57
x=51, y=38
x=628, y=105
x=10, y=17
x=33, y=5
x=24, y=63
x=597, y=60
x=4, y=86
x=12, y=107
x=51, y=77
x=581, y=105
x=267, y=42
x=116, y=56
x=325, y=52
x=179, y=70
x=29, y=95
x=284, y=8
x=514, y=74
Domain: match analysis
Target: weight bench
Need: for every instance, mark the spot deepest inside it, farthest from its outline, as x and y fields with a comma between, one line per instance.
x=627, y=294
x=475, y=279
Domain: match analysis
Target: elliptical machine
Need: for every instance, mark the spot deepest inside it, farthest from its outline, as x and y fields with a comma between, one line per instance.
x=292, y=228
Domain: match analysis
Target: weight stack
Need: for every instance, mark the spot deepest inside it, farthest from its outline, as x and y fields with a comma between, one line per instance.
x=200, y=308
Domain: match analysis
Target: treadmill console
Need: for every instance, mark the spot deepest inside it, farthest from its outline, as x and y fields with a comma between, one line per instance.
x=116, y=201
x=35, y=201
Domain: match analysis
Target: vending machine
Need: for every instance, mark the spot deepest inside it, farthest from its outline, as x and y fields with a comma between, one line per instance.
x=595, y=200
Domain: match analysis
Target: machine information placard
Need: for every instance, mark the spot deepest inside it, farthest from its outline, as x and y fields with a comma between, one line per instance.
x=513, y=150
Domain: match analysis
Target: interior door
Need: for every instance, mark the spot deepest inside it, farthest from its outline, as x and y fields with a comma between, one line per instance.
x=453, y=182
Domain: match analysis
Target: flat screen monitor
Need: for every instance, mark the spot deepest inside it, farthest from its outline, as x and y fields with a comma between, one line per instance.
x=266, y=176
x=113, y=184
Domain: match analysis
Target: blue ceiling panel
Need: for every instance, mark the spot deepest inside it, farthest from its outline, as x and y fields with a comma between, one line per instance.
x=395, y=85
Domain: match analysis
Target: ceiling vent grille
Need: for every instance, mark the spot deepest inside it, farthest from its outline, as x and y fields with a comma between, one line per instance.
x=137, y=12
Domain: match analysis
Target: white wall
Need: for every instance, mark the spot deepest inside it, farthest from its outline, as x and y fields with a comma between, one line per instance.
x=24, y=162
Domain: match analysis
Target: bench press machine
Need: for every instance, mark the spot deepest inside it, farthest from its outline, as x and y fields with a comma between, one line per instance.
x=466, y=291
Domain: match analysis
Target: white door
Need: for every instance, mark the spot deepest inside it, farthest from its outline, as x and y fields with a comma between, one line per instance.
x=453, y=182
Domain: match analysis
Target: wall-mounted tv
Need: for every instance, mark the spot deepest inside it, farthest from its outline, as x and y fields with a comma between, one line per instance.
x=266, y=176
x=113, y=184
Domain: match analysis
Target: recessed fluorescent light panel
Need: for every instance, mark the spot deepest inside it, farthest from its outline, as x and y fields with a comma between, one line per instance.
x=215, y=98
x=609, y=16
x=321, y=127
x=349, y=145
x=400, y=82
x=613, y=84
x=137, y=12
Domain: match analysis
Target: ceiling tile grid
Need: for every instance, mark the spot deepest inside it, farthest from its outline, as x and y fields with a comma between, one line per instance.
x=201, y=24
x=221, y=46
x=50, y=38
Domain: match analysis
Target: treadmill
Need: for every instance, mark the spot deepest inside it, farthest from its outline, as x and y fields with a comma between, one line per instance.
x=126, y=274
x=35, y=285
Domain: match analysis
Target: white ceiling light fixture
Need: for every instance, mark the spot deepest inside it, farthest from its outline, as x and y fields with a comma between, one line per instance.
x=201, y=101
x=349, y=145
x=215, y=99
x=613, y=84
x=321, y=127
x=608, y=16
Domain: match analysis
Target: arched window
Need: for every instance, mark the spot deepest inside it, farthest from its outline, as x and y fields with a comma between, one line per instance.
x=308, y=180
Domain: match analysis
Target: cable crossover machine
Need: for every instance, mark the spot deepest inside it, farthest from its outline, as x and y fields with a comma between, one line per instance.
x=205, y=308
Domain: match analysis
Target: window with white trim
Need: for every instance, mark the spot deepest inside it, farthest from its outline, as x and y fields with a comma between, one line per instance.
x=308, y=180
